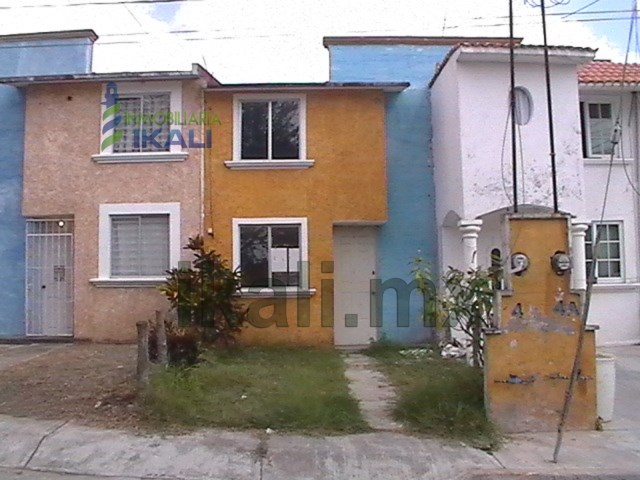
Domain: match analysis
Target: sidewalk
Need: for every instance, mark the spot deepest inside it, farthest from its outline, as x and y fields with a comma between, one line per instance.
x=39, y=450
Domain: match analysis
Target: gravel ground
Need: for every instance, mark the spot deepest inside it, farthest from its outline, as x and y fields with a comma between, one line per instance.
x=88, y=383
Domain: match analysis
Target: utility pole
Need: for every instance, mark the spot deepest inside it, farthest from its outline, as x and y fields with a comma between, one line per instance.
x=512, y=106
x=552, y=146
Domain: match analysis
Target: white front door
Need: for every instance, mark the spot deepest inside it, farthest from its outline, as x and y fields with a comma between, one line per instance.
x=49, y=282
x=354, y=250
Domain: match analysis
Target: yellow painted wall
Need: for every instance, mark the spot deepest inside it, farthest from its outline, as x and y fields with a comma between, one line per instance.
x=346, y=138
x=539, y=345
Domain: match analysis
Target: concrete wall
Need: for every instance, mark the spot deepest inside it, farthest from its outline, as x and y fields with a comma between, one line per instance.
x=411, y=228
x=526, y=360
x=347, y=183
x=12, y=226
x=62, y=132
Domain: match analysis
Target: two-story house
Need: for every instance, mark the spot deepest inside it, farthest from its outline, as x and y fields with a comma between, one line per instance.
x=296, y=197
x=110, y=191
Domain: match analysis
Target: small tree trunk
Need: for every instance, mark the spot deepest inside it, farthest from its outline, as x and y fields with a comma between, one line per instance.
x=161, y=339
x=142, y=373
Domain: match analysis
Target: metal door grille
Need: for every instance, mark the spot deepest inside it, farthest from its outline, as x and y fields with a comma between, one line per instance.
x=49, y=277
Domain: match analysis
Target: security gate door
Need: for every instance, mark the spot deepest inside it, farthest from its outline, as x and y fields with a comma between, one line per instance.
x=49, y=279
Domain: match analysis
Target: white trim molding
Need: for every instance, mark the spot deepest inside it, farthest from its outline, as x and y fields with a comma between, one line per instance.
x=174, y=89
x=144, y=157
x=269, y=163
x=303, y=289
x=107, y=210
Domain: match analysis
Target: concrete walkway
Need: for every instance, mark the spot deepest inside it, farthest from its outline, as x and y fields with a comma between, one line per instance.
x=373, y=391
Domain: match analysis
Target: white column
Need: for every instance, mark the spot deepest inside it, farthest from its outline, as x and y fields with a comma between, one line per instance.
x=578, y=255
x=470, y=230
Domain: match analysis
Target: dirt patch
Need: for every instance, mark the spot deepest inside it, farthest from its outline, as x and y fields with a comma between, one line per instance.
x=89, y=384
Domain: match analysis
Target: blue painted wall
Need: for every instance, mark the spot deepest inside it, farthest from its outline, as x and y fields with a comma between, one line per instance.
x=45, y=57
x=17, y=59
x=411, y=227
x=12, y=225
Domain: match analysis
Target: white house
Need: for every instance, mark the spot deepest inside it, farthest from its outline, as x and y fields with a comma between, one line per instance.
x=473, y=165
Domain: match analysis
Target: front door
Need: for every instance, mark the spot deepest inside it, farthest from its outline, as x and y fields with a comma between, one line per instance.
x=49, y=282
x=354, y=267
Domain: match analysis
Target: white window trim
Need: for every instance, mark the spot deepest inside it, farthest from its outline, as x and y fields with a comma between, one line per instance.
x=107, y=210
x=175, y=153
x=303, y=290
x=238, y=163
x=587, y=127
x=610, y=280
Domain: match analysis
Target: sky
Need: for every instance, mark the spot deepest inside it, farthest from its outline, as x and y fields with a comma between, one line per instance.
x=281, y=40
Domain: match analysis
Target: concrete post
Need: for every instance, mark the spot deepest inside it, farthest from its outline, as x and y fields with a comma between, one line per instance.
x=578, y=255
x=142, y=371
x=470, y=230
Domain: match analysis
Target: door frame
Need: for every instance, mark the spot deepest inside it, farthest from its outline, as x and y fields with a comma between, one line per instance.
x=52, y=221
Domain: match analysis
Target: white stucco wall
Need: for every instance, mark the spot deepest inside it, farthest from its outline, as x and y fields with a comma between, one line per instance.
x=484, y=101
x=615, y=303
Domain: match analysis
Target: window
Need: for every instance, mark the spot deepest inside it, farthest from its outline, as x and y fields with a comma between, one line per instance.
x=597, y=119
x=141, y=128
x=144, y=122
x=269, y=132
x=138, y=243
x=609, y=236
x=523, y=104
x=271, y=253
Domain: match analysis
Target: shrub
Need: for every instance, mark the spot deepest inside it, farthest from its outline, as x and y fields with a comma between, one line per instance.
x=205, y=297
x=183, y=344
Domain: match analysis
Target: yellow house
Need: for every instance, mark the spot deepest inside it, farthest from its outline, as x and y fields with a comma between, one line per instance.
x=295, y=187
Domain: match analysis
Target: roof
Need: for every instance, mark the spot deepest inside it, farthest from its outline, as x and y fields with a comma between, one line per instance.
x=196, y=72
x=384, y=86
x=59, y=35
x=604, y=72
x=326, y=41
x=494, y=51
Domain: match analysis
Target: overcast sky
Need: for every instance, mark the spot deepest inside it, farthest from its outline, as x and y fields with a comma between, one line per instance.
x=281, y=40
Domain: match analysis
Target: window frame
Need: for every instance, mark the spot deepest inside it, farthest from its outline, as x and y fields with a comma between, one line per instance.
x=304, y=252
x=175, y=152
x=586, y=124
x=593, y=230
x=239, y=163
x=109, y=210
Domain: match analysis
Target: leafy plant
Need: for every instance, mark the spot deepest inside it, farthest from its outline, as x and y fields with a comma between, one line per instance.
x=183, y=344
x=205, y=295
x=432, y=314
x=464, y=301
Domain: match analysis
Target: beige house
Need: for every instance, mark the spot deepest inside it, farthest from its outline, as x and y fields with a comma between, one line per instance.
x=90, y=196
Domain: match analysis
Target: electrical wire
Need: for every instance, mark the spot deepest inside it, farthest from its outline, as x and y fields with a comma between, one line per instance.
x=575, y=12
x=594, y=265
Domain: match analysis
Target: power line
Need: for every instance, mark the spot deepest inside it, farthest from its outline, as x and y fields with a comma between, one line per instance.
x=96, y=3
x=575, y=12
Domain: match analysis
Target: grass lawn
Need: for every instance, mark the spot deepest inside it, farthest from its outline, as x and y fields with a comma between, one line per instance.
x=290, y=389
x=440, y=397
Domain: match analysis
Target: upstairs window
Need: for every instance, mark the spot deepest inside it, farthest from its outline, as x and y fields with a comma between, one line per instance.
x=141, y=115
x=270, y=128
x=597, y=128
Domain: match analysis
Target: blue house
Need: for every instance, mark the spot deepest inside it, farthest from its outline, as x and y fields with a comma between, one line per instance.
x=411, y=228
